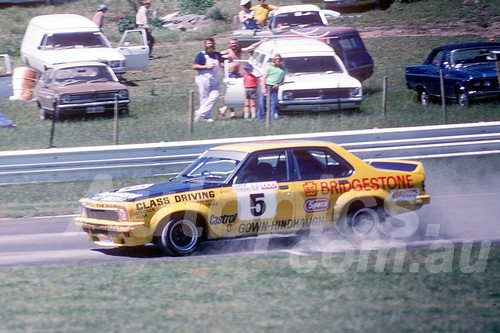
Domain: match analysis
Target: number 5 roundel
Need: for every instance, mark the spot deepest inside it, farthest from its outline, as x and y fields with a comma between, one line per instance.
x=256, y=200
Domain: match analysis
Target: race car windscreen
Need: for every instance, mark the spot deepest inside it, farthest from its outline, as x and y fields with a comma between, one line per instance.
x=319, y=64
x=212, y=166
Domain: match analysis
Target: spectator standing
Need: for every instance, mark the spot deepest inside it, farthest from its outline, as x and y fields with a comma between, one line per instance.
x=247, y=16
x=143, y=21
x=273, y=77
x=98, y=17
x=261, y=11
x=234, y=53
x=207, y=64
x=250, y=83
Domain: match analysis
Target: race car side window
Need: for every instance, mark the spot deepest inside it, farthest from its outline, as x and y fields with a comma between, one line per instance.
x=265, y=166
x=319, y=163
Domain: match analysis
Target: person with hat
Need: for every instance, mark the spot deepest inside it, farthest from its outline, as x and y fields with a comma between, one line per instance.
x=143, y=21
x=250, y=83
x=261, y=11
x=246, y=16
x=98, y=17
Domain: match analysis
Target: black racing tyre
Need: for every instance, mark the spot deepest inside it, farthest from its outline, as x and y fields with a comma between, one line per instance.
x=360, y=220
x=423, y=98
x=462, y=99
x=178, y=237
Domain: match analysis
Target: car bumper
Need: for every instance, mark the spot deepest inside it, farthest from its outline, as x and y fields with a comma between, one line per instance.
x=114, y=234
x=320, y=105
x=475, y=94
x=93, y=107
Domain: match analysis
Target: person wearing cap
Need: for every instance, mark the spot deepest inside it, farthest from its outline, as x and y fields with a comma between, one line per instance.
x=143, y=21
x=250, y=83
x=98, y=17
x=247, y=16
x=261, y=11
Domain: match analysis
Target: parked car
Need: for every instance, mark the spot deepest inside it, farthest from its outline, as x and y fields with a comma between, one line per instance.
x=316, y=78
x=469, y=73
x=81, y=88
x=61, y=38
x=256, y=188
x=310, y=21
x=5, y=76
x=344, y=5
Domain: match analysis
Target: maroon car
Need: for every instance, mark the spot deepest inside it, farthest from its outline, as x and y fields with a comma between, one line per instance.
x=85, y=88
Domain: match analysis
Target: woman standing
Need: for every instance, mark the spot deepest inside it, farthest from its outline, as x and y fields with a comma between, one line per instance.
x=273, y=77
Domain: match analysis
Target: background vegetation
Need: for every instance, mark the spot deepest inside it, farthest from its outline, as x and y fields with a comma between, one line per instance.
x=160, y=94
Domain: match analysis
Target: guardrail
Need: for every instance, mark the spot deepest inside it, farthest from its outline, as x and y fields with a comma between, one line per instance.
x=168, y=158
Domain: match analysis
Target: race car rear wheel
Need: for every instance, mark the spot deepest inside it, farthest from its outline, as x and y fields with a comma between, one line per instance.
x=178, y=237
x=361, y=220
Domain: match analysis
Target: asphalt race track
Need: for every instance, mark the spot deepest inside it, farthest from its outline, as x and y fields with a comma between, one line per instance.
x=55, y=240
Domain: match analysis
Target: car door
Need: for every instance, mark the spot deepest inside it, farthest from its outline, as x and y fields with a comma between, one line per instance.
x=262, y=196
x=134, y=47
x=234, y=95
x=321, y=176
x=5, y=76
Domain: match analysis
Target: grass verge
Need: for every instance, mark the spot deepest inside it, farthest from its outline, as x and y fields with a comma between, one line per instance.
x=248, y=294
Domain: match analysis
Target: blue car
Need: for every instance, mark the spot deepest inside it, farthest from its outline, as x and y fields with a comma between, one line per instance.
x=469, y=73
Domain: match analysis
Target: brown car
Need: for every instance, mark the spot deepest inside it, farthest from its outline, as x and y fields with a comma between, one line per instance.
x=85, y=88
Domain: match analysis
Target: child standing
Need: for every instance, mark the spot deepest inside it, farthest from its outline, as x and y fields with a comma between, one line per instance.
x=250, y=82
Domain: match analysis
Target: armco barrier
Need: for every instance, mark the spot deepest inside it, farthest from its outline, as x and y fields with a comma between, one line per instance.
x=168, y=158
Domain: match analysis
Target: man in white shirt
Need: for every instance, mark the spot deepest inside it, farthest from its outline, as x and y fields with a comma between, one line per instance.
x=143, y=21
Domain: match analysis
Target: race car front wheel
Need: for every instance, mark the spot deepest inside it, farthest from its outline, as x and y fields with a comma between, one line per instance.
x=178, y=237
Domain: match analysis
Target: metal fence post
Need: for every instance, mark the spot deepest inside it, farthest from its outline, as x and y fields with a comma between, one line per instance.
x=190, y=111
x=53, y=127
x=115, y=123
x=443, y=99
x=384, y=96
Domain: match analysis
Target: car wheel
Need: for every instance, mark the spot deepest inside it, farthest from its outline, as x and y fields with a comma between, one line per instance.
x=383, y=4
x=360, y=220
x=178, y=237
x=424, y=98
x=462, y=99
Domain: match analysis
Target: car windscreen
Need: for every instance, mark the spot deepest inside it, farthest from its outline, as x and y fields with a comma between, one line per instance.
x=472, y=56
x=74, y=39
x=315, y=64
x=297, y=19
x=212, y=166
x=81, y=74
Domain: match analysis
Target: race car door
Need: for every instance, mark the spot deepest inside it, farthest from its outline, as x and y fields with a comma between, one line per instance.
x=263, y=195
x=320, y=177
x=5, y=76
x=134, y=47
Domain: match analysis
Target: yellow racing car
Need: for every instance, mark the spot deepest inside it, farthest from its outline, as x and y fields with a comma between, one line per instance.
x=254, y=189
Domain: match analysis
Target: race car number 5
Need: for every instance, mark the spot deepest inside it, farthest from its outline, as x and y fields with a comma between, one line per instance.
x=256, y=200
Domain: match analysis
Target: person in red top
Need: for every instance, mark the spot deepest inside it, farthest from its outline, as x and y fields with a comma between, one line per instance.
x=250, y=82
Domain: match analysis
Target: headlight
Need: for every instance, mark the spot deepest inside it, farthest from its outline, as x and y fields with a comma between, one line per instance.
x=123, y=94
x=287, y=95
x=477, y=84
x=487, y=83
x=354, y=92
x=66, y=98
x=114, y=63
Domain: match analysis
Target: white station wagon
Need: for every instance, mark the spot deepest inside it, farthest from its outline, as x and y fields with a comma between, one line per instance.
x=62, y=38
x=316, y=79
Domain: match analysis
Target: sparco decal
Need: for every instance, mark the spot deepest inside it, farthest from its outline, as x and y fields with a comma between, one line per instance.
x=316, y=205
x=195, y=196
x=223, y=219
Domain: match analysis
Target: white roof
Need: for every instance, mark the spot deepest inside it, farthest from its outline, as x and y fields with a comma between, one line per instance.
x=287, y=46
x=297, y=8
x=64, y=22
